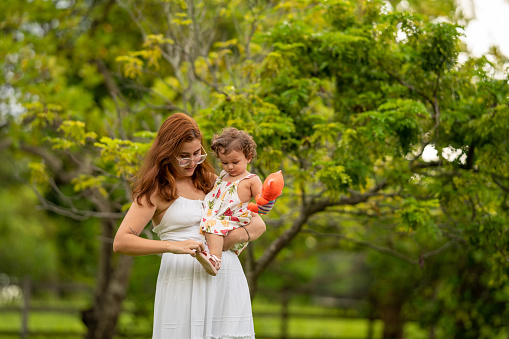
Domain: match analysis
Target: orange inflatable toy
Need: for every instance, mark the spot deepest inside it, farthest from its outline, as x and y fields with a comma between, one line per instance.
x=271, y=190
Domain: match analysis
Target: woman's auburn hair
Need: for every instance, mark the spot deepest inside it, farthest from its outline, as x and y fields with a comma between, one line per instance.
x=157, y=171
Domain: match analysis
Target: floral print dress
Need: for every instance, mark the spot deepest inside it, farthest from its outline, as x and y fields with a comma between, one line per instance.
x=223, y=210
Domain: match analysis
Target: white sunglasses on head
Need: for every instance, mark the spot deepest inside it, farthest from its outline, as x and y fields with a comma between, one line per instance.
x=183, y=162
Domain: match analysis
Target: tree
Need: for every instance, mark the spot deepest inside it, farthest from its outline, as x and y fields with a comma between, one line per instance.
x=343, y=97
x=55, y=59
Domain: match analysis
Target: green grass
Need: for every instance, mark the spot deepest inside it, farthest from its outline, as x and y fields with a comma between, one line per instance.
x=131, y=323
x=322, y=323
x=58, y=322
x=318, y=328
x=65, y=323
x=315, y=327
x=264, y=325
x=10, y=321
x=326, y=328
x=267, y=322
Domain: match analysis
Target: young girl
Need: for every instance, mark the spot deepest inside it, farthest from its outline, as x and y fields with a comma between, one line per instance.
x=225, y=207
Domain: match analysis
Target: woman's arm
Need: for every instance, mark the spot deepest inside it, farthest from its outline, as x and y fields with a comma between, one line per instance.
x=127, y=240
x=255, y=229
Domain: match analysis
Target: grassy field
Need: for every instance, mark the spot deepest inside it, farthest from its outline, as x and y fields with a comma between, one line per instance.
x=321, y=323
x=304, y=322
x=264, y=326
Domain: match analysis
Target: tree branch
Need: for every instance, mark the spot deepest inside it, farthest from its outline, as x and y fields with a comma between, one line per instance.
x=377, y=248
x=4, y=143
x=309, y=209
x=436, y=109
x=407, y=85
x=134, y=85
x=73, y=212
x=426, y=164
x=499, y=183
x=386, y=250
x=439, y=250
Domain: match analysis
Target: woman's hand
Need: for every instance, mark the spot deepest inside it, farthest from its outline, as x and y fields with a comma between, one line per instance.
x=187, y=247
x=255, y=229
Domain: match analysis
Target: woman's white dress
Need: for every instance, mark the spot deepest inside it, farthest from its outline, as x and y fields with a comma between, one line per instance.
x=189, y=303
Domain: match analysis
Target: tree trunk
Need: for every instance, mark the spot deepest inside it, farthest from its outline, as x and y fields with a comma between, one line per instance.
x=101, y=320
x=285, y=300
x=111, y=286
x=393, y=324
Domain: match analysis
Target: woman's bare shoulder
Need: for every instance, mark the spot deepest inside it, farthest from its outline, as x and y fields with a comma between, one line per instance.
x=160, y=204
x=155, y=200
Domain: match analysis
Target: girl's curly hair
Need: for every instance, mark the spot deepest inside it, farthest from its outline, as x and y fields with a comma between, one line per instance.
x=232, y=139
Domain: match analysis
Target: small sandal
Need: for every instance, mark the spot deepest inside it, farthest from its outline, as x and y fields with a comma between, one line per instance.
x=217, y=261
x=209, y=262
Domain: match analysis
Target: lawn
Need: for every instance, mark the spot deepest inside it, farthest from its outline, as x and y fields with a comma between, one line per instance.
x=304, y=322
x=319, y=323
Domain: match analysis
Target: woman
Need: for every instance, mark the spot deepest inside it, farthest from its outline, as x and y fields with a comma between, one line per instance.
x=169, y=190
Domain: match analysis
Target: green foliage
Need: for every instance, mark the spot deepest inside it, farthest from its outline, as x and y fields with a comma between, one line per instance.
x=417, y=215
x=122, y=155
x=332, y=176
x=133, y=65
x=84, y=182
x=38, y=174
x=437, y=50
x=343, y=96
x=27, y=233
x=404, y=118
x=74, y=135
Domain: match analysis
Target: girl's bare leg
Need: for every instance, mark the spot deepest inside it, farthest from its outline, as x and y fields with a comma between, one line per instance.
x=215, y=243
x=211, y=259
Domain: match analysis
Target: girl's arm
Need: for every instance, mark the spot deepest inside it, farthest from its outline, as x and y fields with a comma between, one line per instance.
x=127, y=240
x=256, y=186
x=255, y=228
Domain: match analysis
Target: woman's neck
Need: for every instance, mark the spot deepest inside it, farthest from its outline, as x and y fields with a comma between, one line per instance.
x=183, y=179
